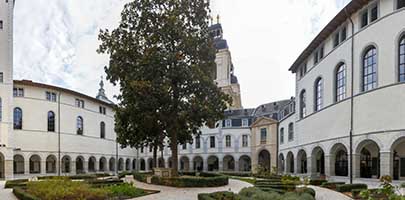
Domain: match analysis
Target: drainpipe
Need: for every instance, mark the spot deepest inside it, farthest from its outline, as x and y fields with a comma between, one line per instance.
x=59, y=151
x=351, y=97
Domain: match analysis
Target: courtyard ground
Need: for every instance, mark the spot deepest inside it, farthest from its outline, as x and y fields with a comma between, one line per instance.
x=6, y=194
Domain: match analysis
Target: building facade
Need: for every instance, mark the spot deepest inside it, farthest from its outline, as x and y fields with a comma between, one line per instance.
x=349, y=96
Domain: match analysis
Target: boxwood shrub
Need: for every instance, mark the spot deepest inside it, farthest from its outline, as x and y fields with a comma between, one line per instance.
x=191, y=181
x=218, y=195
x=317, y=182
x=332, y=185
x=16, y=183
x=22, y=195
x=350, y=187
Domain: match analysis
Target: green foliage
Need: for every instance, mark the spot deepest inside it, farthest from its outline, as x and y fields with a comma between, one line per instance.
x=23, y=195
x=307, y=190
x=332, y=185
x=256, y=194
x=191, y=181
x=16, y=183
x=317, y=182
x=141, y=176
x=219, y=196
x=125, y=190
x=356, y=193
x=350, y=187
x=163, y=59
x=290, y=180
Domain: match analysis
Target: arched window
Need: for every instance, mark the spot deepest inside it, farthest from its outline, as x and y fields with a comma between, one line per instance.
x=370, y=69
x=282, y=136
x=18, y=116
x=102, y=130
x=228, y=141
x=340, y=84
x=51, y=121
x=318, y=94
x=290, y=132
x=401, y=57
x=79, y=125
x=303, y=104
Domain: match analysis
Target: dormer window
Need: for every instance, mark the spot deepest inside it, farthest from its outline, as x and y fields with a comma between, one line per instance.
x=18, y=92
x=79, y=103
x=318, y=55
x=369, y=15
x=50, y=96
x=102, y=110
x=303, y=70
x=228, y=123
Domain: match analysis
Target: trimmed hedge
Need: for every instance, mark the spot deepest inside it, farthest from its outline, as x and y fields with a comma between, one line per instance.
x=141, y=176
x=191, y=181
x=16, y=183
x=350, y=187
x=105, y=182
x=22, y=195
x=332, y=185
x=356, y=193
x=317, y=182
x=239, y=174
x=306, y=190
x=218, y=196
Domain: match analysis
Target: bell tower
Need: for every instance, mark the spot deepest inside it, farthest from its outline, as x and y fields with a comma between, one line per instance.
x=6, y=87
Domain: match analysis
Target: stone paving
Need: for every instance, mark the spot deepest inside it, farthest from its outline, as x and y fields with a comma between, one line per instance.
x=171, y=193
x=6, y=194
x=326, y=194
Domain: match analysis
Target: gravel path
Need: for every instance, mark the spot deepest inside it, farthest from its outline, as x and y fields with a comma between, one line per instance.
x=171, y=193
x=326, y=194
x=6, y=194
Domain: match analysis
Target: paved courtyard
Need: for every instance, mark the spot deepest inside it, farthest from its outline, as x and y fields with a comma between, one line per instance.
x=326, y=194
x=6, y=194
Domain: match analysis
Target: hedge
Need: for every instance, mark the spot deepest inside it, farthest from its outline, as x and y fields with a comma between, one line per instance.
x=105, y=182
x=22, y=195
x=217, y=195
x=317, y=182
x=16, y=183
x=332, y=185
x=356, y=193
x=350, y=187
x=306, y=190
x=141, y=176
x=248, y=174
x=191, y=181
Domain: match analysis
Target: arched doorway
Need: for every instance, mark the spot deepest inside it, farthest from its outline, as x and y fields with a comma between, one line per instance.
x=339, y=160
x=121, y=164
x=161, y=162
x=80, y=165
x=369, y=161
x=2, y=163
x=290, y=162
x=302, y=162
x=111, y=164
x=150, y=164
x=318, y=160
x=134, y=164
x=229, y=163
x=143, y=165
x=65, y=164
x=281, y=163
x=92, y=164
x=198, y=163
x=264, y=160
x=398, y=153
x=18, y=164
x=213, y=163
x=51, y=164
x=35, y=164
x=184, y=164
x=128, y=164
x=245, y=164
x=103, y=164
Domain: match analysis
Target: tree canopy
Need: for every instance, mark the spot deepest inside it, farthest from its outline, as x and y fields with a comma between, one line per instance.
x=163, y=59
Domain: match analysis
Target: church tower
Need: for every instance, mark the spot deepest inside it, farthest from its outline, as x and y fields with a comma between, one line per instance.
x=225, y=77
x=6, y=87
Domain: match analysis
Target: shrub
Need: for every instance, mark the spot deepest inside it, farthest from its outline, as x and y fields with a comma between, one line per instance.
x=141, y=176
x=249, y=192
x=123, y=174
x=317, y=182
x=350, y=187
x=297, y=196
x=290, y=180
x=125, y=190
x=332, y=185
x=16, y=183
x=219, y=196
x=237, y=174
x=23, y=195
x=306, y=190
x=191, y=181
x=103, y=183
x=356, y=193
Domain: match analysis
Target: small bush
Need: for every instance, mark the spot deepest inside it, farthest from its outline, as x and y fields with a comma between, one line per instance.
x=219, y=196
x=23, y=195
x=317, y=182
x=141, y=176
x=104, y=182
x=125, y=191
x=191, y=181
x=249, y=192
x=356, y=193
x=16, y=183
x=306, y=190
x=237, y=174
x=332, y=185
x=123, y=174
x=350, y=187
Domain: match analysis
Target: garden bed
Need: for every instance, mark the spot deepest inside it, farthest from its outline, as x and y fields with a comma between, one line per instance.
x=187, y=180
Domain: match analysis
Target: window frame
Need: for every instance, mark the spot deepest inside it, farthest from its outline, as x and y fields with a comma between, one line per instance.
x=397, y=4
x=318, y=94
x=245, y=122
x=228, y=141
x=51, y=122
x=228, y=123
x=374, y=72
x=79, y=125
x=245, y=141
x=198, y=142
x=303, y=103
x=282, y=135
x=102, y=130
x=401, y=65
x=18, y=126
x=290, y=132
x=263, y=135
x=340, y=82
x=1, y=77
x=212, y=142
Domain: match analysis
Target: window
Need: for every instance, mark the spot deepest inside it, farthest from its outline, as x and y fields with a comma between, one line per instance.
x=79, y=126
x=336, y=40
x=321, y=53
x=1, y=24
x=316, y=58
x=401, y=58
x=400, y=4
x=102, y=110
x=364, y=19
x=141, y=149
x=303, y=105
x=150, y=148
x=50, y=96
x=212, y=142
x=18, y=118
x=303, y=70
x=245, y=122
x=102, y=130
x=318, y=55
x=51, y=121
x=374, y=13
x=318, y=94
x=184, y=146
x=18, y=92
x=1, y=77
x=343, y=34
x=244, y=140
x=290, y=132
x=340, y=36
x=263, y=136
x=228, y=123
x=369, y=15
x=282, y=136
x=340, y=82
x=197, y=142
x=370, y=69
x=79, y=103
x=228, y=141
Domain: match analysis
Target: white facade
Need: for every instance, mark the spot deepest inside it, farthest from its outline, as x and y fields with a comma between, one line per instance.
x=322, y=140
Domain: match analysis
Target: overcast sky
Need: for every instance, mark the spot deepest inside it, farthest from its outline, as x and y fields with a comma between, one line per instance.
x=56, y=41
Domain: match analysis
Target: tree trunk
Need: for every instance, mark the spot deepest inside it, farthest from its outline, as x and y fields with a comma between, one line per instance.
x=173, y=147
x=154, y=156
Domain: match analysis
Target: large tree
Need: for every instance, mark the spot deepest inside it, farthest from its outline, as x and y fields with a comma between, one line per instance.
x=163, y=59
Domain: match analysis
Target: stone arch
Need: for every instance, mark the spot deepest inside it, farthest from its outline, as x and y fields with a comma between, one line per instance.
x=102, y=165
x=92, y=164
x=120, y=164
x=161, y=162
x=213, y=163
x=184, y=164
x=318, y=161
x=281, y=163
x=245, y=163
x=228, y=163
x=198, y=163
x=264, y=160
x=142, y=165
x=111, y=164
x=367, y=162
x=35, y=164
x=397, y=150
x=339, y=164
x=290, y=162
x=18, y=164
x=134, y=165
x=50, y=164
x=66, y=164
x=80, y=165
x=302, y=167
x=150, y=164
x=128, y=165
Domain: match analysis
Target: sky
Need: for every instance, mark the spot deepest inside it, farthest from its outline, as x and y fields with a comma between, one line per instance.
x=55, y=41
